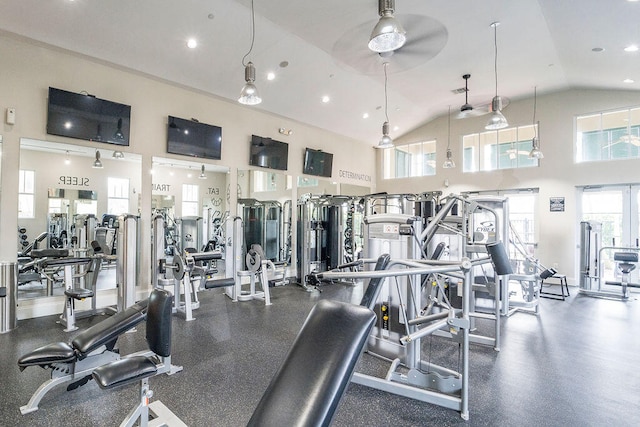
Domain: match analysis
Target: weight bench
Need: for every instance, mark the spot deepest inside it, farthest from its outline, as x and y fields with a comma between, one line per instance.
x=315, y=374
x=141, y=367
x=73, y=363
x=308, y=387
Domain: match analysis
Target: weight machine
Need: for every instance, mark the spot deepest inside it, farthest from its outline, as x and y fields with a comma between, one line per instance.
x=594, y=256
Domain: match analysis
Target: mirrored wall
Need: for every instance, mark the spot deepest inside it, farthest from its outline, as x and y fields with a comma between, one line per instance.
x=193, y=199
x=60, y=186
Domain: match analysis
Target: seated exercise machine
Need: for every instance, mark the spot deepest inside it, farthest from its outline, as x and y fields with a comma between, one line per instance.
x=136, y=368
x=593, y=260
x=73, y=363
x=400, y=327
x=326, y=349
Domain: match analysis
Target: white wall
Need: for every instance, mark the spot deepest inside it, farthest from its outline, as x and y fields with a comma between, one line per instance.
x=29, y=68
x=557, y=175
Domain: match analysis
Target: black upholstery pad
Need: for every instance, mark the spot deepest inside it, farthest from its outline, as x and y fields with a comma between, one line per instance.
x=124, y=371
x=219, y=283
x=78, y=293
x=46, y=253
x=109, y=329
x=45, y=355
x=308, y=387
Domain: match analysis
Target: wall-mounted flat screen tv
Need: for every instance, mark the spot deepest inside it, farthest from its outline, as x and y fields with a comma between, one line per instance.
x=317, y=162
x=195, y=139
x=80, y=116
x=268, y=153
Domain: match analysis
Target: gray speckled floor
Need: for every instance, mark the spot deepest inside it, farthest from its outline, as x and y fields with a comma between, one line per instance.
x=576, y=364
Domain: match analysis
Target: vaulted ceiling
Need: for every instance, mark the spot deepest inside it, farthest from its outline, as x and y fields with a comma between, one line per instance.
x=319, y=48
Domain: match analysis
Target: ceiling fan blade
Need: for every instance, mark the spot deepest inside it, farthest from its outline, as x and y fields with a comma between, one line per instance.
x=426, y=37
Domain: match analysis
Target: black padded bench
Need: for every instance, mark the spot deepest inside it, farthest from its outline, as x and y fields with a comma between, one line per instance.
x=308, y=387
x=141, y=367
x=74, y=362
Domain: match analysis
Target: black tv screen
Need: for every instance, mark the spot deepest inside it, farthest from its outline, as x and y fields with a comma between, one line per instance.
x=317, y=163
x=75, y=115
x=268, y=153
x=192, y=138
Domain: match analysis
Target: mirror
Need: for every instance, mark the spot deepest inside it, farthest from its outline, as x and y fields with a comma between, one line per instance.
x=264, y=203
x=354, y=190
x=192, y=199
x=60, y=188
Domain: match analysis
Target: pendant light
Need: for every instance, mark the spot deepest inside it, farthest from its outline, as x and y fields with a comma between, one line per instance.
x=535, y=152
x=385, y=141
x=388, y=35
x=449, y=163
x=118, y=154
x=97, y=164
x=496, y=120
x=249, y=93
x=67, y=160
x=202, y=174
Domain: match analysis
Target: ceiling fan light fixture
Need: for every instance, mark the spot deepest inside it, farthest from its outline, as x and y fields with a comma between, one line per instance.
x=388, y=34
x=249, y=93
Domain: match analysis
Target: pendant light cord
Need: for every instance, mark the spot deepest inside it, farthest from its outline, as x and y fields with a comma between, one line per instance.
x=535, y=102
x=253, y=34
x=449, y=129
x=495, y=48
x=386, y=115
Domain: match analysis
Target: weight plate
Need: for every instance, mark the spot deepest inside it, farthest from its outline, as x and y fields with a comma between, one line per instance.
x=253, y=261
x=178, y=267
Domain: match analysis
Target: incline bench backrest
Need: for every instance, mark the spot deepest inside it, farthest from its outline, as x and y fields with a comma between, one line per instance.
x=109, y=329
x=308, y=387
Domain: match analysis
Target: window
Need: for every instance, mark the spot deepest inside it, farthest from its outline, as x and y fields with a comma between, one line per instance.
x=502, y=149
x=189, y=200
x=411, y=160
x=118, y=196
x=26, y=194
x=608, y=136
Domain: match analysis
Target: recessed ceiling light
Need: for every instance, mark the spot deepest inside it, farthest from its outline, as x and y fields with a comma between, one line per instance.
x=627, y=81
x=631, y=48
x=271, y=76
x=326, y=99
x=597, y=49
x=396, y=128
x=192, y=43
x=365, y=116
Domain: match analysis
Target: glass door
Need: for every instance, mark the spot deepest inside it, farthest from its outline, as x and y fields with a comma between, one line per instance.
x=617, y=208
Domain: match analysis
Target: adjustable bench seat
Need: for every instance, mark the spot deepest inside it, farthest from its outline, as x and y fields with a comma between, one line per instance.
x=315, y=374
x=78, y=293
x=73, y=363
x=104, y=333
x=124, y=371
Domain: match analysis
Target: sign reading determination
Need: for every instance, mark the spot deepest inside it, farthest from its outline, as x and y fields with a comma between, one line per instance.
x=556, y=204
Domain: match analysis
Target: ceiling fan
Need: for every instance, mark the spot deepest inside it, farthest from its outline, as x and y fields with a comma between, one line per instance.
x=426, y=37
x=625, y=139
x=469, y=110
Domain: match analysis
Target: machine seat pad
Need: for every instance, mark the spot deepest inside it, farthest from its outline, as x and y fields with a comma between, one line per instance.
x=308, y=387
x=58, y=352
x=219, y=283
x=124, y=371
x=110, y=328
x=205, y=256
x=65, y=261
x=49, y=253
x=79, y=293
